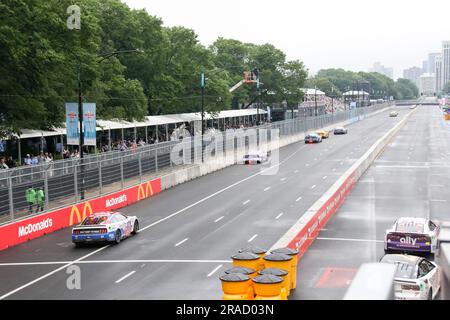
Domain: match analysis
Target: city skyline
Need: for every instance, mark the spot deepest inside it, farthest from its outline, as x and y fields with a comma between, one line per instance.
x=334, y=44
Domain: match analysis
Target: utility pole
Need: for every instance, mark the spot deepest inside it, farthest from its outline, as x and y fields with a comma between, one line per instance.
x=81, y=139
x=202, y=85
x=315, y=101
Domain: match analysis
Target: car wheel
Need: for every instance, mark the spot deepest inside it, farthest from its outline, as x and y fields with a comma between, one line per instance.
x=135, y=227
x=118, y=237
x=430, y=294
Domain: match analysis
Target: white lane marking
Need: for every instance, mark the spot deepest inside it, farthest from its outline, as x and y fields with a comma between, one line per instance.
x=246, y=202
x=437, y=186
x=279, y=216
x=342, y=163
x=307, y=165
x=296, y=171
x=267, y=189
x=325, y=177
x=52, y=272
x=215, y=270
x=298, y=199
x=252, y=238
x=221, y=191
x=436, y=200
x=181, y=242
x=283, y=179
x=347, y=239
x=156, y=222
x=334, y=169
x=109, y=262
x=313, y=186
x=126, y=276
x=315, y=159
x=218, y=219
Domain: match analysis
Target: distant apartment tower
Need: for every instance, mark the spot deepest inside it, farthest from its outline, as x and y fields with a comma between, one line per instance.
x=432, y=61
x=378, y=67
x=445, y=62
x=427, y=84
x=438, y=72
x=413, y=74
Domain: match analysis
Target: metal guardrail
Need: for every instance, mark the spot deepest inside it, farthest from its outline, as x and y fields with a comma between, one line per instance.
x=443, y=260
x=64, y=185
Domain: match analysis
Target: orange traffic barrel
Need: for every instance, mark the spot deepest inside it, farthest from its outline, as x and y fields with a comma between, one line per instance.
x=279, y=273
x=256, y=250
x=246, y=260
x=280, y=261
x=269, y=287
x=247, y=271
x=236, y=286
x=294, y=254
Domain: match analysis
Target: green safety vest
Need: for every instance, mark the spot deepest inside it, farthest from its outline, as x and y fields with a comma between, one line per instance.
x=40, y=196
x=30, y=195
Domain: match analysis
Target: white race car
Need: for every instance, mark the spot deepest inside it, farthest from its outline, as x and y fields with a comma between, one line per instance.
x=416, y=278
x=412, y=235
x=256, y=157
x=105, y=227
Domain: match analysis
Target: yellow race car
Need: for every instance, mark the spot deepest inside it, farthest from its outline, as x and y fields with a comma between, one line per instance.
x=324, y=134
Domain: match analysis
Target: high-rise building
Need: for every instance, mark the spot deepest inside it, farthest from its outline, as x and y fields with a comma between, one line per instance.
x=378, y=67
x=445, y=63
x=432, y=61
x=425, y=66
x=438, y=72
x=413, y=74
x=427, y=84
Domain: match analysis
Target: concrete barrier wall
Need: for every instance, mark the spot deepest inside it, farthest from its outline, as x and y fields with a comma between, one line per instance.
x=303, y=233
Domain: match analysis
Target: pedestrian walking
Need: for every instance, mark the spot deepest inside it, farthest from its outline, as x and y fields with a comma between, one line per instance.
x=30, y=196
x=40, y=199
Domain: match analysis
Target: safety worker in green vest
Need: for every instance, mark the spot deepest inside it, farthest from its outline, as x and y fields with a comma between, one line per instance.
x=30, y=196
x=40, y=199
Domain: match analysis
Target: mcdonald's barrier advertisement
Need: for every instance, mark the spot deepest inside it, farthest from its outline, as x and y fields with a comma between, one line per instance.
x=40, y=225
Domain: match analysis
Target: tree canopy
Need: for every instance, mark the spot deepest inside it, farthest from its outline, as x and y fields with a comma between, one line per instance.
x=337, y=81
x=40, y=60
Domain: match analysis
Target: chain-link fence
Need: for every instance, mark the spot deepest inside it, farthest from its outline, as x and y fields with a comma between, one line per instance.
x=68, y=182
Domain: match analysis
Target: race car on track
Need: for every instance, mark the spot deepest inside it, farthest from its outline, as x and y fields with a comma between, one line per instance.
x=256, y=157
x=416, y=278
x=340, y=130
x=393, y=114
x=323, y=134
x=412, y=235
x=313, y=138
x=105, y=227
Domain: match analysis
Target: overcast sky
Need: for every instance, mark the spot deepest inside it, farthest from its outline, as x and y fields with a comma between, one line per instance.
x=350, y=34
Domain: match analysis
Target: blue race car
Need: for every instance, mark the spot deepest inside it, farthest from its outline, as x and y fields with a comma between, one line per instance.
x=105, y=227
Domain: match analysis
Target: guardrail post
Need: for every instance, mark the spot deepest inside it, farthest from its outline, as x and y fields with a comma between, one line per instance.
x=46, y=190
x=11, y=199
x=140, y=167
x=100, y=177
x=156, y=159
x=75, y=181
x=121, y=173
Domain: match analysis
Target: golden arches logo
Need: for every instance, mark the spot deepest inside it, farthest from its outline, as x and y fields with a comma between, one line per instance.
x=87, y=206
x=145, y=194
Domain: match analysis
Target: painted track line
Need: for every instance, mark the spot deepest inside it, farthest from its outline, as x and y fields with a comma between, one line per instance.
x=279, y=216
x=109, y=262
x=252, y=238
x=215, y=270
x=126, y=276
x=217, y=220
x=353, y=240
x=181, y=242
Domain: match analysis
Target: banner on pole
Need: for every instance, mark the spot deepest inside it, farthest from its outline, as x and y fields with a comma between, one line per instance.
x=89, y=124
x=72, y=125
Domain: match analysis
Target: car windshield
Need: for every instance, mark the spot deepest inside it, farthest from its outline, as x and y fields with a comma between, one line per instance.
x=94, y=220
x=410, y=227
x=405, y=269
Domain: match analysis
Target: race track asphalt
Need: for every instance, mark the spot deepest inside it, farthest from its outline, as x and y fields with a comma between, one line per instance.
x=410, y=178
x=190, y=231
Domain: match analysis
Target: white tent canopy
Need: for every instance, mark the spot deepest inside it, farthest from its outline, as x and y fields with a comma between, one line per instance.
x=160, y=120
x=355, y=93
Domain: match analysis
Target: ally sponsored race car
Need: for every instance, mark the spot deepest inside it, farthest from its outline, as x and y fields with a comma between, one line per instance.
x=105, y=227
x=416, y=278
x=412, y=235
